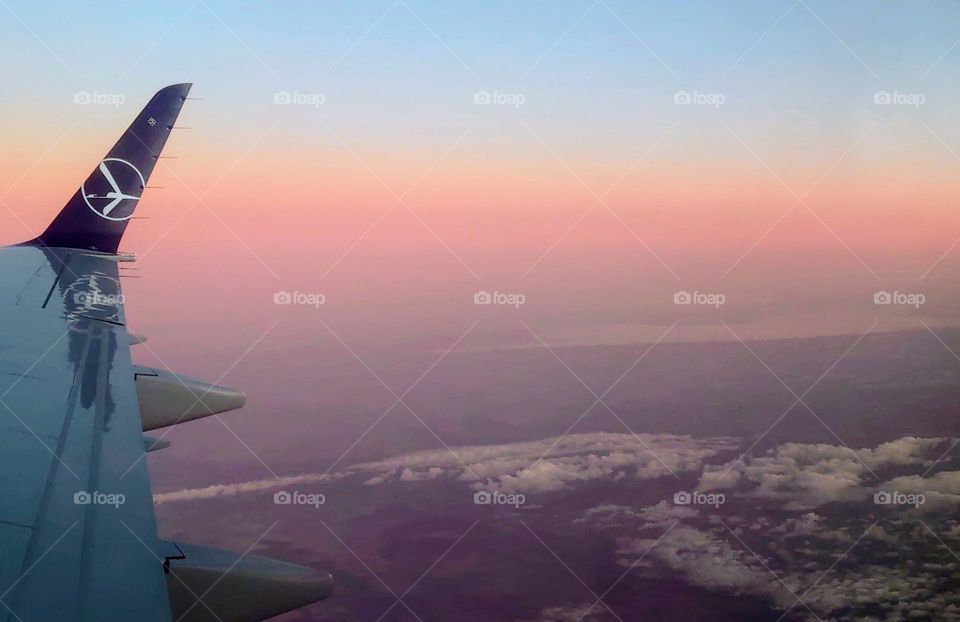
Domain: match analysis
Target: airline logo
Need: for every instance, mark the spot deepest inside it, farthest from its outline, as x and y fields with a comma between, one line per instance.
x=113, y=190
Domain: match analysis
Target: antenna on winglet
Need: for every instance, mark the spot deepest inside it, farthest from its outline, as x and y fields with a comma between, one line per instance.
x=96, y=216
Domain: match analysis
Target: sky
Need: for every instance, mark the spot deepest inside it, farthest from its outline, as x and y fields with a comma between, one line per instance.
x=430, y=151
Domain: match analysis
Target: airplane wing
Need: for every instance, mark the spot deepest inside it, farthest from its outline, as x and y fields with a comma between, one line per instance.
x=78, y=536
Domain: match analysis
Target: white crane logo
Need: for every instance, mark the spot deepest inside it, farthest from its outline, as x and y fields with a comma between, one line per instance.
x=106, y=203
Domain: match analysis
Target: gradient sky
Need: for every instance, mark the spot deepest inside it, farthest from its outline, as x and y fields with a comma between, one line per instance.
x=296, y=197
x=399, y=197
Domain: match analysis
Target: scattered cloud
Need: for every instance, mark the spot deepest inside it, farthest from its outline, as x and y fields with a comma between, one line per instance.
x=703, y=559
x=536, y=466
x=892, y=571
x=806, y=475
x=941, y=491
x=551, y=464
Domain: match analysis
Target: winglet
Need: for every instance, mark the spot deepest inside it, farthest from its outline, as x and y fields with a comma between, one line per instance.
x=97, y=214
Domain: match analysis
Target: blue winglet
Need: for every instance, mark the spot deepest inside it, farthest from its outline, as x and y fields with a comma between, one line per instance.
x=97, y=214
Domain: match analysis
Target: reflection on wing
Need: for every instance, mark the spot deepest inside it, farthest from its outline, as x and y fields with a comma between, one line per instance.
x=71, y=525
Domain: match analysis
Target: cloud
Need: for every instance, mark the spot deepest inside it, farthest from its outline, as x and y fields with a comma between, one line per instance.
x=665, y=513
x=551, y=464
x=229, y=490
x=801, y=547
x=803, y=476
x=941, y=491
x=577, y=613
x=786, y=483
x=906, y=450
x=810, y=525
x=409, y=475
x=705, y=560
x=539, y=466
x=791, y=578
x=807, y=475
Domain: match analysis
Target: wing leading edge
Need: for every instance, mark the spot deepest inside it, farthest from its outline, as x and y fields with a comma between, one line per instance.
x=78, y=536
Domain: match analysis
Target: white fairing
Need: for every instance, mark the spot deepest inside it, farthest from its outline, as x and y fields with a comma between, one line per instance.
x=167, y=399
x=238, y=587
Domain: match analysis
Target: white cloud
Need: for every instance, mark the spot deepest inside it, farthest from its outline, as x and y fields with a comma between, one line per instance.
x=941, y=490
x=551, y=464
x=409, y=475
x=806, y=475
x=704, y=560
x=535, y=466
x=792, y=479
x=578, y=613
x=229, y=490
x=664, y=514
x=810, y=525
x=716, y=560
x=947, y=482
